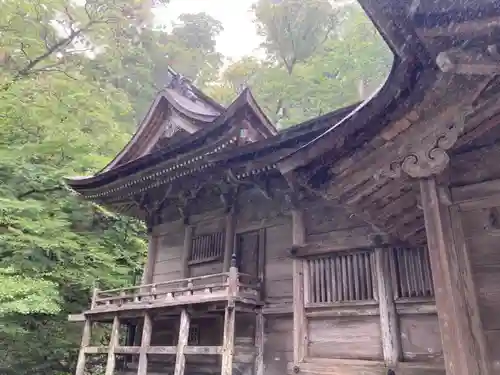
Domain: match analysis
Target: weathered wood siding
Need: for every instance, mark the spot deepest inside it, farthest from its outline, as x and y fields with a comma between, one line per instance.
x=345, y=338
x=278, y=266
x=482, y=239
x=350, y=336
x=170, y=242
x=420, y=338
x=278, y=345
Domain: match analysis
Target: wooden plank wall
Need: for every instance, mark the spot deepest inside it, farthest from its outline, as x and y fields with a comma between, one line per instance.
x=170, y=242
x=345, y=337
x=330, y=337
x=357, y=336
x=278, y=344
x=420, y=338
x=475, y=181
x=278, y=266
x=483, y=245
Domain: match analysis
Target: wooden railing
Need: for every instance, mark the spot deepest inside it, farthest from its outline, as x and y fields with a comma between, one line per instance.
x=226, y=285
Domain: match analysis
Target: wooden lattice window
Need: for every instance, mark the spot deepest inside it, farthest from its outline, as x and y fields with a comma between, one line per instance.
x=194, y=335
x=412, y=273
x=207, y=248
x=339, y=277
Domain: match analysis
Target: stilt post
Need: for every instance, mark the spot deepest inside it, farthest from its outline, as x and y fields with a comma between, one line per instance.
x=80, y=365
x=180, y=360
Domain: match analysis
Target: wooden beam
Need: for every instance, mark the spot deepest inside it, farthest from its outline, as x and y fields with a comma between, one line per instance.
x=229, y=240
x=464, y=30
x=476, y=196
x=389, y=327
x=80, y=364
x=474, y=62
x=142, y=368
x=299, y=317
x=180, y=359
x=228, y=342
x=462, y=336
x=338, y=240
x=186, y=251
x=76, y=318
x=113, y=343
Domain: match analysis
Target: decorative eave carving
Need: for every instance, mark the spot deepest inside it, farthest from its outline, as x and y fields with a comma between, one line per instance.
x=429, y=156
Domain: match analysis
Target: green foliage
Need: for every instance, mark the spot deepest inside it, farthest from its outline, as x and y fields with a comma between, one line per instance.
x=294, y=29
x=325, y=78
x=191, y=47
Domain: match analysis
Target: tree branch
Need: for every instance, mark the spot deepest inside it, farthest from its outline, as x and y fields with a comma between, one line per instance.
x=34, y=191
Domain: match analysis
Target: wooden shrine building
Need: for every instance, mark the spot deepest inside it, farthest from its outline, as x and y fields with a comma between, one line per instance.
x=361, y=242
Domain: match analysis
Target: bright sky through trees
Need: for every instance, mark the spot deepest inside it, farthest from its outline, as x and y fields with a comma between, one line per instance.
x=238, y=38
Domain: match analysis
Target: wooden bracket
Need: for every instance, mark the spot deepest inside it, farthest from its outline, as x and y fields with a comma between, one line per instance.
x=429, y=157
x=252, y=181
x=294, y=195
x=469, y=62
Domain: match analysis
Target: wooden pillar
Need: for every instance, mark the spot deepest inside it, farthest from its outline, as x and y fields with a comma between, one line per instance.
x=147, y=275
x=186, y=251
x=259, y=344
x=299, y=314
x=389, y=327
x=228, y=341
x=113, y=343
x=462, y=335
x=180, y=359
x=142, y=368
x=229, y=239
x=80, y=364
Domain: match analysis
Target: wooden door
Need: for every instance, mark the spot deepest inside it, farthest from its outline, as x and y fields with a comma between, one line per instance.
x=248, y=253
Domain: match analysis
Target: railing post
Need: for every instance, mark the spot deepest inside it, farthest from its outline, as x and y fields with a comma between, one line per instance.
x=153, y=292
x=93, y=302
x=233, y=279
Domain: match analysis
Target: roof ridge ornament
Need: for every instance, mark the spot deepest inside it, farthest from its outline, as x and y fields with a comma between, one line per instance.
x=181, y=84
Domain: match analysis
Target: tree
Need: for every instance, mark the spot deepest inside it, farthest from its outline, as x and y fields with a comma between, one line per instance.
x=191, y=47
x=57, y=245
x=294, y=29
x=56, y=122
x=326, y=80
x=58, y=30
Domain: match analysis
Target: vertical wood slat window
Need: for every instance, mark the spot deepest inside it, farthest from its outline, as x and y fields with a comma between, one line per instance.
x=339, y=278
x=194, y=335
x=207, y=247
x=412, y=277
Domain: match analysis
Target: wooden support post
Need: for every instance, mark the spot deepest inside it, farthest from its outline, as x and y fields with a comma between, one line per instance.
x=113, y=343
x=87, y=329
x=462, y=336
x=228, y=341
x=147, y=275
x=229, y=240
x=145, y=342
x=186, y=251
x=180, y=359
x=299, y=314
x=391, y=338
x=259, y=344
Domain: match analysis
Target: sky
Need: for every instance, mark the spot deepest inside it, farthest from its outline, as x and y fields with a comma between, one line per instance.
x=239, y=37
